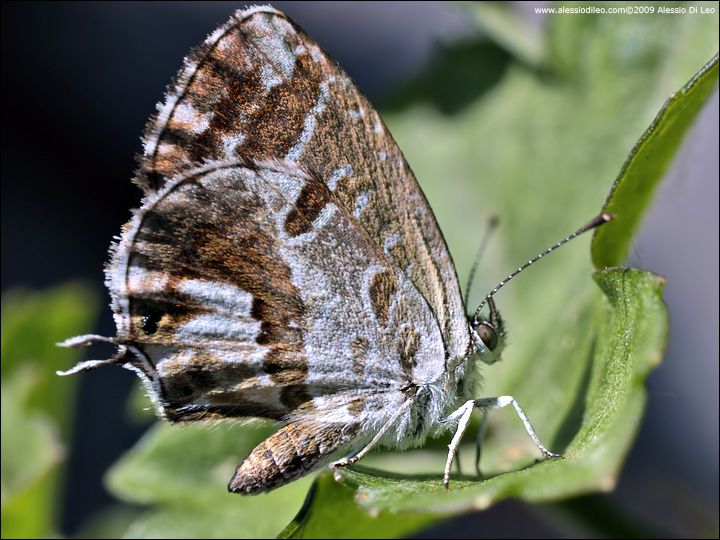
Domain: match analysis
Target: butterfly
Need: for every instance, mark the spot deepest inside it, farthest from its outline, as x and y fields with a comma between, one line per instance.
x=285, y=265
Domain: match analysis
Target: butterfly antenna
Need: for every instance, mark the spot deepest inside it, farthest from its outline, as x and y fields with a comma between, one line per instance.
x=492, y=223
x=592, y=224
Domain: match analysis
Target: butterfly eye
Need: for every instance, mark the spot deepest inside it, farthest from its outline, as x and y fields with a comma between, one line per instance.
x=488, y=335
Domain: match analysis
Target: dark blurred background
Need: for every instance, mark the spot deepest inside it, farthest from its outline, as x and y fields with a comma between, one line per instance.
x=79, y=81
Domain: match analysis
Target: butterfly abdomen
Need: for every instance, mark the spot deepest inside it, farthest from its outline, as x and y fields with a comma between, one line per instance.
x=288, y=454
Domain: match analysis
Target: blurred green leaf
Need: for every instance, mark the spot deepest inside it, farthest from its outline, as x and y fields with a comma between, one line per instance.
x=36, y=405
x=499, y=21
x=183, y=472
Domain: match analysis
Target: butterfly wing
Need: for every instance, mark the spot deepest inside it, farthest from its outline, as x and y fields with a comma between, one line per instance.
x=285, y=263
x=260, y=88
x=229, y=310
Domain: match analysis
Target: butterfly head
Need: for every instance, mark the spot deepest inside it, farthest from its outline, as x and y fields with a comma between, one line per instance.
x=488, y=334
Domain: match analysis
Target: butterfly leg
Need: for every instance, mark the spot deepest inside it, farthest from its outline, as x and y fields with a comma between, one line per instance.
x=462, y=415
x=458, y=467
x=376, y=439
x=503, y=401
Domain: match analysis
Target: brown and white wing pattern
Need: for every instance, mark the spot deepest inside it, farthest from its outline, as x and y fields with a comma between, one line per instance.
x=260, y=88
x=285, y=263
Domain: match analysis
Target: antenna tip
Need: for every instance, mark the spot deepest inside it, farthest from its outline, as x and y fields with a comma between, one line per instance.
x=598, y=220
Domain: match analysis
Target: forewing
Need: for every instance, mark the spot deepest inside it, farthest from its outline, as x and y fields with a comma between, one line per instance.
x=259, y=89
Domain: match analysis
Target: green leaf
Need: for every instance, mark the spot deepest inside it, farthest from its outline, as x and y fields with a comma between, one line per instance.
x=183, y=472
x=340, y=517
x=36, y=405
x=645, y=166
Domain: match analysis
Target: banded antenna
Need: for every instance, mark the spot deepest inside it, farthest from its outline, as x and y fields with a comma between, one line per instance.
x=595, y=222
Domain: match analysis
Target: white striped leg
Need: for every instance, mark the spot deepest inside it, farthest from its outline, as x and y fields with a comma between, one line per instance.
x=383, y=430
x=464, y=413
